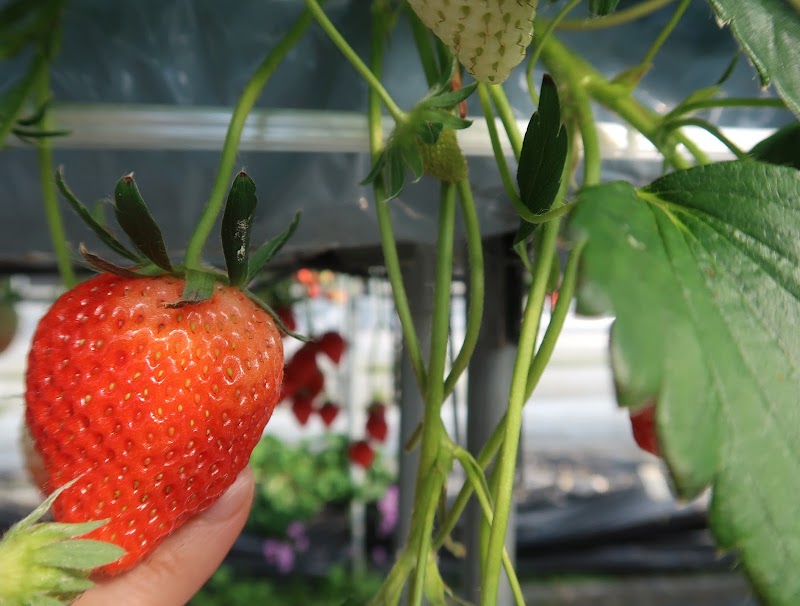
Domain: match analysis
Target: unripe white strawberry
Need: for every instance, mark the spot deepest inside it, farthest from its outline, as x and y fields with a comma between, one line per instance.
x=489, y=37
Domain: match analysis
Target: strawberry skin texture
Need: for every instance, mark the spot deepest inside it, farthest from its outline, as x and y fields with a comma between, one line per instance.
x=157, y=409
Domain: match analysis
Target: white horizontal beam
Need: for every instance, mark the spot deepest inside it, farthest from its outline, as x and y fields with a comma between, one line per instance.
x=165, y=127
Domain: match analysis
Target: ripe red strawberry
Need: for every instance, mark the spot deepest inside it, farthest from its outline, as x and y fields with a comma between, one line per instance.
x=313, y=385
x=643, y=424
x=154, y=409
x=377, y=429
x=302, y=408
x=360, y=453
x=332, y=344
x=328, y=413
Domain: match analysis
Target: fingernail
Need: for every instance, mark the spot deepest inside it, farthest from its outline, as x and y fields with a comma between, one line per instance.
x=238, y=495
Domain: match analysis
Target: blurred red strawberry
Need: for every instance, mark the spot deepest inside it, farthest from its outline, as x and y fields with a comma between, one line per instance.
x=328, y=413
x=313, y=386
x=643, y=424
x=332, y=344
x=302, y=409
x=360, y=453
x=376, y=426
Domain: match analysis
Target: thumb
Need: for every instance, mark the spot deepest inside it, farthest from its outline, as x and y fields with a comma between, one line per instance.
x=185, y=560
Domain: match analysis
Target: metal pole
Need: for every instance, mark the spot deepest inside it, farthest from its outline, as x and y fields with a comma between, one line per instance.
x=419, y=270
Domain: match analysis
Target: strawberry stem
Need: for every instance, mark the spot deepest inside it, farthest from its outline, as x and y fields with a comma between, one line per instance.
x=583, y=79
x=500, y=158
x=477, y=480
x=637, y=11
x=429, y=476
x=247, y=100
x=351, y=55
x=476, y=285
x=663, y=35
x=55, y=223
x=506, y=115
x=388, y=244
x=538, y=42
x=505, y=464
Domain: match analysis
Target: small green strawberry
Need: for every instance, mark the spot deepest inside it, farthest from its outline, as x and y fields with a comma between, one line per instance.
x=489, y=37
x=47, y=563
x=148, y=387
x=444, y=159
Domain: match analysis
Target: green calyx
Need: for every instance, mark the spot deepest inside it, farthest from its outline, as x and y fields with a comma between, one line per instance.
x=414, y=143
x=47, y=563
x=149, y=251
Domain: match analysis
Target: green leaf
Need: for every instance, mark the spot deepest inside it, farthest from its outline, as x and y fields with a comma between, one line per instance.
x=700, y=269
x=136, y=220
x=377, y=169
x=267, y=251
x=452, y=98
x=769, y=32
x=601, y=8
x=36, y=117
x=446, y=119
x=102, y=265
x=429, y=132
x=263, y=305
x=729, y=69
x=199, y=287
x=782, y=147
x=237, y=222
x=413, y=159
x=52, y=531
x=38, y=513
x=13, y=99
x=397, y=175
x=79, y=554
x=544, y=152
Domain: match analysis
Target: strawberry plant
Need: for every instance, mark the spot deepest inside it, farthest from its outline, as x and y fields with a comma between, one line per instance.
x=698, y=267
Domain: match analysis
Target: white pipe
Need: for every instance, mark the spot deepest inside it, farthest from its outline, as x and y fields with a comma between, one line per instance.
x=170, y=127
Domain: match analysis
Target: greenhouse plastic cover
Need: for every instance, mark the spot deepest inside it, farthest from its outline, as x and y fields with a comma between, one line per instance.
x=192, y=54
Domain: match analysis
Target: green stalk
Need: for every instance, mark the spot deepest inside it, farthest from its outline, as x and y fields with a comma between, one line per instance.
x=506, y=115
x=540, y=362
x=388, y=244
x=351, y=55
x=565, y=63
x=539, y=41
x=432, y=429
x=505, y=171
x=665, y=33
x=557, y=319
x=500, y=159
x=422, y=39
x=55, y=223
x=692, y=106
x=478, y=482
x=476, y=285
x=710, y=128
x=568, y=73
x=506, y=460
x=637, y=11
x=250, y=94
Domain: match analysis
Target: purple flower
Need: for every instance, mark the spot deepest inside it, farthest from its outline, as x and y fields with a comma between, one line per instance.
x=297, y=533
x=280, y=554
x=387, y=507
x=379, y=555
